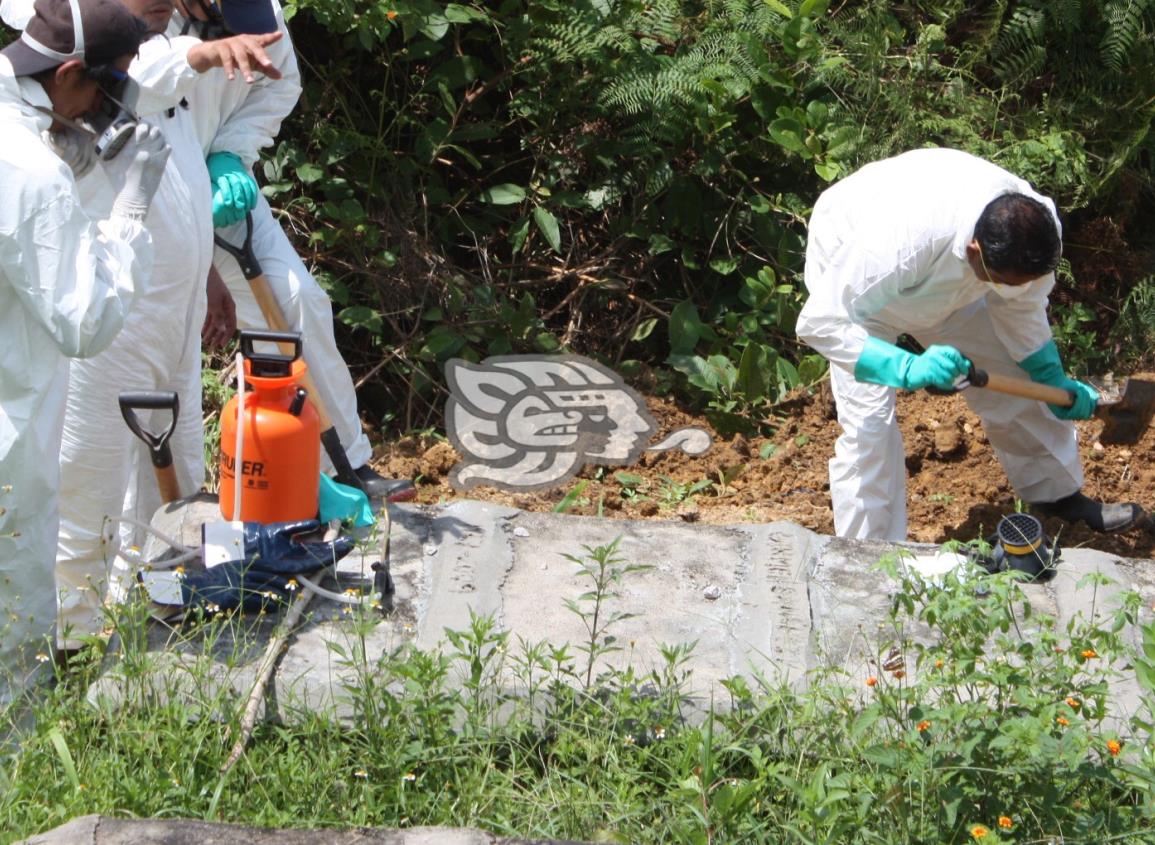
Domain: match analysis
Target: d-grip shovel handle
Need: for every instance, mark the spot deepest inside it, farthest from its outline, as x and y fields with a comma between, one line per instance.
x=1021, y=387
x=161, y=454
x=250, y=267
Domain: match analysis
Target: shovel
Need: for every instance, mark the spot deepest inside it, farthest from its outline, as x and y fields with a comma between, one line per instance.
x=1125, y=414
x=155, y=400
x=275, y=318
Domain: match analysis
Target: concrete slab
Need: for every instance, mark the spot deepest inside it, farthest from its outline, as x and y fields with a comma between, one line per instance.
x=775, y=600
x=102, y=830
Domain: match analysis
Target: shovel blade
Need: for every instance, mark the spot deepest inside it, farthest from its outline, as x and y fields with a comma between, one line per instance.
x=1125, y=420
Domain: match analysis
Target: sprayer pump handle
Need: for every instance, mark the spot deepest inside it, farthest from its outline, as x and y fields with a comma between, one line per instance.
x=270, y=363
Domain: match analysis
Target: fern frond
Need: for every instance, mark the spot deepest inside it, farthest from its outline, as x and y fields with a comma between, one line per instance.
x=1126, y=24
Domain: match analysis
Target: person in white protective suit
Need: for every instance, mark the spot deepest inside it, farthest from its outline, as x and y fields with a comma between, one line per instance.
x=243, y=122
x=159, y=348
x=960, y=255
x=67, y=281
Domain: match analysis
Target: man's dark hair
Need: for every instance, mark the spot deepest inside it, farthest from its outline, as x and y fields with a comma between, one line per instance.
x=1018, y=234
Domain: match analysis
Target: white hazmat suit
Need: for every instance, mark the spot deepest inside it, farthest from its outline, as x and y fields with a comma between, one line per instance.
x=66, y=285
x=243, y=120
x=104, y=467
x=886, y=255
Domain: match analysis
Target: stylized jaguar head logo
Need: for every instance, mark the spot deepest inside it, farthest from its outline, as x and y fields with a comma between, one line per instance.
x=530, y=422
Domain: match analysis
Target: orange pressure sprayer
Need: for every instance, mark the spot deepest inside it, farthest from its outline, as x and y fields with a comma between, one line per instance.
x=280, y=459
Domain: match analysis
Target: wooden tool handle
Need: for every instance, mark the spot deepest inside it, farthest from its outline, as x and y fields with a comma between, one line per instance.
x=1022, y=387
x=330, y=439
x=275, y=318
x=166, y=481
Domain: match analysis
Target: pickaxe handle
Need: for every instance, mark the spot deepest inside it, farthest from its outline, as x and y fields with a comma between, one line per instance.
x=157, y=443
x=1021, y=387
x=275, y=318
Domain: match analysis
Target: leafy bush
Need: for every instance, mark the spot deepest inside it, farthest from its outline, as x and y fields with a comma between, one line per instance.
x=631, y=180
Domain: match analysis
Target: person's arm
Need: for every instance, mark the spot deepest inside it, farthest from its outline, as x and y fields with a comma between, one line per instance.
x=169, y=70
x=76, y=277
x=251, y=123
x=849, y=288
x=221, y=315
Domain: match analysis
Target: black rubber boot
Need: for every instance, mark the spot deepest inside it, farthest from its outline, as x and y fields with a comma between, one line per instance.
x=1099, y=516
x=378, y=486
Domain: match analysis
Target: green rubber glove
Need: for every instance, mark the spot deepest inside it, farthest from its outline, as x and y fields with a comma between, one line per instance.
x=234, y=188
x=1046, y=367
x=884, y=363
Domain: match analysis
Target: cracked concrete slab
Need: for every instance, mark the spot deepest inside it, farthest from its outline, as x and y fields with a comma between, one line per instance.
x=774, y=601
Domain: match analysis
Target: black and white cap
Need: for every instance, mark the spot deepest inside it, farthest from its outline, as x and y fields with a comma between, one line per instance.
x=94, y=31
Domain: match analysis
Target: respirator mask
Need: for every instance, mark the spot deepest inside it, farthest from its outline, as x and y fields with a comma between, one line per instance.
x=100, y=135
x=115, y=120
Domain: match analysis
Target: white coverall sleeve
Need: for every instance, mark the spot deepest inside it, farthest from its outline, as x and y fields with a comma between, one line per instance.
x=849, y=287
x=77, y=277
x=162, y=71
x=255, y=122
x=16, y=13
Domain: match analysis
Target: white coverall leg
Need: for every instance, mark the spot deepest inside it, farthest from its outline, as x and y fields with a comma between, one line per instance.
x=1037, y=450
x=307, y=309
x=67, y=281
x=102, y=470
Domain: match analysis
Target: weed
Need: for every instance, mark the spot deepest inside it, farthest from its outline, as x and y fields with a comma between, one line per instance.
x=604, y=568
x=671, y=493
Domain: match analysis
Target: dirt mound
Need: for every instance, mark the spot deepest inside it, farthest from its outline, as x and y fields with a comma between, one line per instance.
x=956, y=488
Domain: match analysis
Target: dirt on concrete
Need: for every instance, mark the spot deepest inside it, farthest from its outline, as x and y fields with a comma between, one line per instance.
x=956, y=488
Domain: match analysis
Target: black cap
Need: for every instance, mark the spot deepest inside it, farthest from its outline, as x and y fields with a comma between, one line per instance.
x=249, y=17
x=94, y=31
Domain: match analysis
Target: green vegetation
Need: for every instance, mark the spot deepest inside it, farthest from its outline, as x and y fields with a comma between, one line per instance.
x=994, y=719
x=631, y=180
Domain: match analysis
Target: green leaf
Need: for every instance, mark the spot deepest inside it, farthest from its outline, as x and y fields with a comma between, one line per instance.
x=787, y=376
x=571, y=498
x=442, y=343
x=309, y=173
x=757, y=291
x=685, y=328
x=827, y=170
x=780, y=8
x=812, y=8
x=724, y=266
x=504, y=194
x=628, y=479
x=456, y=13
x=754, y=371
x=518, y=234
x=547, y=225
x=361, y=317
x=644, y=329
x=788, y=133
x=66, y=760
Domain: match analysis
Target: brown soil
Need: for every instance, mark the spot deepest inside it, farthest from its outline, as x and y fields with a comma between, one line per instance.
x=956, y=488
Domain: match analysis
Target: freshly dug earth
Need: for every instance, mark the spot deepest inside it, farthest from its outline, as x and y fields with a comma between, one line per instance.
x=956, y=489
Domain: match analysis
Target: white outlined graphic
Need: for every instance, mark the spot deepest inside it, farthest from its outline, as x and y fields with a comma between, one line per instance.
x=531, y=422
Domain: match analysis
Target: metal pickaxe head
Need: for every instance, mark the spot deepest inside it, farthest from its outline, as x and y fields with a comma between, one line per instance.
x=1127, y=413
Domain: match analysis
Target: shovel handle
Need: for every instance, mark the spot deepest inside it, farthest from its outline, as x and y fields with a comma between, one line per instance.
x=1022, y=388
x=275, y=320
x=246, y=258
x=158, y=448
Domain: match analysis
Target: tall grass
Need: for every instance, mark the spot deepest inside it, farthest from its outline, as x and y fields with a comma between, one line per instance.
x=998, y=727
